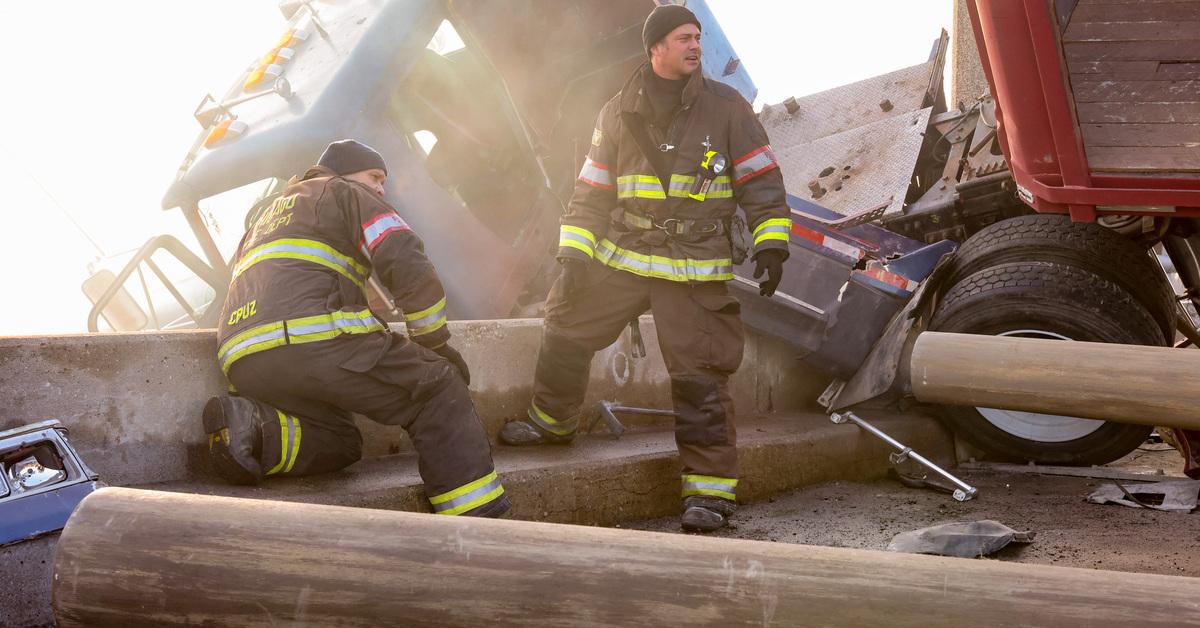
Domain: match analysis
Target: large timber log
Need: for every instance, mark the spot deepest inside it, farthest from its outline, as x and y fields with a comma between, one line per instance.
x=130, y=557
x=1125, y=383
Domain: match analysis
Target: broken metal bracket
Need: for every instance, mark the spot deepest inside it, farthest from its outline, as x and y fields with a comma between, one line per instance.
x=964, y=491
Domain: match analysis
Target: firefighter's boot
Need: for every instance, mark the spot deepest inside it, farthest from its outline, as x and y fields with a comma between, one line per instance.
x=234, y=430
x=706, y=514
x=526, y=432
x=560, y=379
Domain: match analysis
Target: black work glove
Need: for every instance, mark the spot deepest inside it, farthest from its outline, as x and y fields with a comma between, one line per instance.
x=771, y=262
x=572, y=275
x=454, y=357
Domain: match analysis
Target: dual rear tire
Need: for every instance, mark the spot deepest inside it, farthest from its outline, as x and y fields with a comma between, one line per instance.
x=1043, y=276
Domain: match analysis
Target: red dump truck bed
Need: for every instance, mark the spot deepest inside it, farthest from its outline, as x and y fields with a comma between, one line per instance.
x=1098, y=102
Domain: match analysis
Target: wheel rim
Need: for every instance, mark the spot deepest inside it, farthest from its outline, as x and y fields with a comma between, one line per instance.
x=1045, y=428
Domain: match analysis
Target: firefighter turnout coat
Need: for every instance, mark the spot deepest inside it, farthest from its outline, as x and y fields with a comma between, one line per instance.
x=301, y=271
x=297, y=337
x=620, y=196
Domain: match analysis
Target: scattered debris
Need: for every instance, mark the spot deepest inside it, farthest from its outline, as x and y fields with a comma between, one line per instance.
x=1170, y=496
x=1103, y=473
x=964, y=540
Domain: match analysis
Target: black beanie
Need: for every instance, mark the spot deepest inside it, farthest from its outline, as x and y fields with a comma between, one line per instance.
x=348, y=157
x=664, y=19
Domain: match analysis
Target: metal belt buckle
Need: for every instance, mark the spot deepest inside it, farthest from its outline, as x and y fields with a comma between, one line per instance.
x=666, y=225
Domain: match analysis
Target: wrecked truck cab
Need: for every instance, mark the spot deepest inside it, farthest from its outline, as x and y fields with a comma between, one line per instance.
x=483, y=111
x=400, y=77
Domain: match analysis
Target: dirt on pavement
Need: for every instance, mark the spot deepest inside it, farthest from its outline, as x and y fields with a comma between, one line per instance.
x=1070, y=531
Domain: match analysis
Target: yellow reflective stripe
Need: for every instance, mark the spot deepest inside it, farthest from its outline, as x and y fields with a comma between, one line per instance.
x=579, y=231
x=681, y=186
x=416, y=316
x=251, y=341
x=462, y=490
x=469, y=496
x=730, y=482
x=295, y=453
x=549, y=423
x=427, y=320
x=294, y=248
x=640, y=186
x=664, y=267
x=577, y=238
x=289, y=443
x=709, y=485
x=773, y=229
x=299, y=331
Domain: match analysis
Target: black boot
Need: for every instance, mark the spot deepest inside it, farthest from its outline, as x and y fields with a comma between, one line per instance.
x=706, y=514
x=234, y=431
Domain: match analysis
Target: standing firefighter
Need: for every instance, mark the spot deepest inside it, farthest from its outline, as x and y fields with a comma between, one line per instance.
x=299, y=341
x=651, y=226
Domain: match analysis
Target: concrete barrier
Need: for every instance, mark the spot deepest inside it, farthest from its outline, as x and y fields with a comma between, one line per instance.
x=132, y=401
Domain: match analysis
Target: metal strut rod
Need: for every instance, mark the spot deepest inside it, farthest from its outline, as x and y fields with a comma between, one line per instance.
x=962, y=493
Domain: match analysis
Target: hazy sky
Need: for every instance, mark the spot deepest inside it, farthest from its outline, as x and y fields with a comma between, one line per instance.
x=99, y=95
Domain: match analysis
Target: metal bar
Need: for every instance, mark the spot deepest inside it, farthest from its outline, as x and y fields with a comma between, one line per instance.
x=192, y=213
x=174, y=292
x=216, y=279
x=963, y=493
x=149, y=300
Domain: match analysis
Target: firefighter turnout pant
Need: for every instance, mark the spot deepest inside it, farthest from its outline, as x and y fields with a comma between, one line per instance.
x=700, y=333
x=307, y=392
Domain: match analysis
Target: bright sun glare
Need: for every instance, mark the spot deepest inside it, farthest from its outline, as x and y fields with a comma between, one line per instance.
x=98, y=113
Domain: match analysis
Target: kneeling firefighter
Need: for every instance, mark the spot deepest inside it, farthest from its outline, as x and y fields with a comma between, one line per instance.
x=300, y=344
x=651, y=225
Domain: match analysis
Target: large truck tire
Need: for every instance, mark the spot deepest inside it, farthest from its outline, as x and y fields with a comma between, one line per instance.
x=1046, y=300
x=1085, y=245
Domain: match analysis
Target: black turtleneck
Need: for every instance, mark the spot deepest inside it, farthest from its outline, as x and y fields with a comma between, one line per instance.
x=664, y=96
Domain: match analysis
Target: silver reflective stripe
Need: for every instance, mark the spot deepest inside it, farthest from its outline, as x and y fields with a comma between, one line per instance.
x=772, y=229
x=753, y=163
x=681, y=186
x=340, y=324
x=642, y=186
x=595, y=173
x=266, y=336
x=339, y=261
x=464, y=503
x=662, y=267
x=379, y=226
x=428, y=319
x=575, y=237
x=549, y=423
x=715, y=486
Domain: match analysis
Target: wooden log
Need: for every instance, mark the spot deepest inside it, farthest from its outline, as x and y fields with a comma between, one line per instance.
x=1125, y=383
x=130, y=557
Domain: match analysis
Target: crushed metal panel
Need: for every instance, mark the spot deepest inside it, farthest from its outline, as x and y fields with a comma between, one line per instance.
x=856, y=170
x=846, y=107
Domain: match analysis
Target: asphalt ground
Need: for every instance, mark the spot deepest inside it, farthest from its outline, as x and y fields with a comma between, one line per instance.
x=1069, y=531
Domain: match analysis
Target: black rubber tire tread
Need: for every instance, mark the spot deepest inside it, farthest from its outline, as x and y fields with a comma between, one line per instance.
x=1054, y=238
x=1050, y=297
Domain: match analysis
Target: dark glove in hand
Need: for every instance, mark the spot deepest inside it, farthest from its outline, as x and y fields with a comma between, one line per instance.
x=454, y=357
x=769, y=261
x=572, y=276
